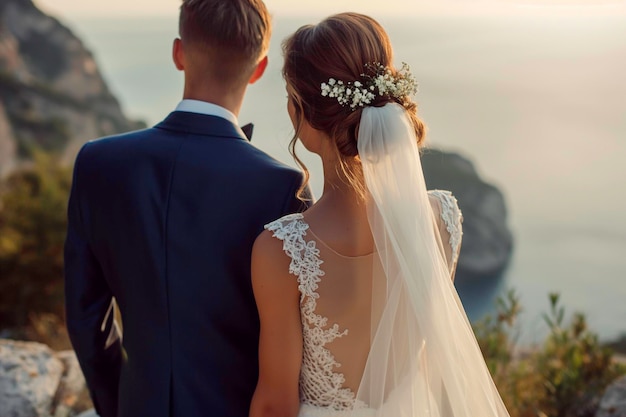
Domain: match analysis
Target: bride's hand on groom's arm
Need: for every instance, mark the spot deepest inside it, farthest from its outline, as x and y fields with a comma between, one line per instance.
x=280, y=343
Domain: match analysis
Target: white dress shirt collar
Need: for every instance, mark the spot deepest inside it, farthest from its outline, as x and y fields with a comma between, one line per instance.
x=210, y=109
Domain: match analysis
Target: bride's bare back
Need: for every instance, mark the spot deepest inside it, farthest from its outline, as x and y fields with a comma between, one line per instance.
x=327, y=256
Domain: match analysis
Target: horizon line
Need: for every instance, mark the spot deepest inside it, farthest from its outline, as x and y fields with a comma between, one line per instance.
x=521, y=11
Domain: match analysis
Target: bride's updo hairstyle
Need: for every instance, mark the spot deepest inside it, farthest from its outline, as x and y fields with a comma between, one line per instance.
x=342, y=47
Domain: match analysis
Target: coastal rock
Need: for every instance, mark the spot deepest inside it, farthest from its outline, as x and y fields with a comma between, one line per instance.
x=36, y=381
x=613, y=403
x=53, y=97
x=487, y=239
x=71, y=386
x=29, y=379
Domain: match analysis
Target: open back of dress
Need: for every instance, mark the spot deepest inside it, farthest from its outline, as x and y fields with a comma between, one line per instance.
x=338, y=304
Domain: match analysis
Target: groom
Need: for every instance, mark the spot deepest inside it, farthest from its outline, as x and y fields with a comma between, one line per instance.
x=164, y=220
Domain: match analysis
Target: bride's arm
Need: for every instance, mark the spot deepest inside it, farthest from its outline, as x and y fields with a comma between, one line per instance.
x=448, y=220
x=280, y=343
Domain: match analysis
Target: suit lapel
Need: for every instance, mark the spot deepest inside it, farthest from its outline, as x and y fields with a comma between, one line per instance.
x=200, y=124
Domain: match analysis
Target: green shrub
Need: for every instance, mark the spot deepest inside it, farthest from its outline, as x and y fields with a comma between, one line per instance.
x=33, y=204
x=563, y=377
x=576, y=368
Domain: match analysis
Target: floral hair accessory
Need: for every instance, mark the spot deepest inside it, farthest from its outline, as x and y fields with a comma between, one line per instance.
x=384, y=83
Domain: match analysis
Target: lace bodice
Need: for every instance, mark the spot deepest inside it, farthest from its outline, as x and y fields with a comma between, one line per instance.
x=325, y=305
x=320, y=384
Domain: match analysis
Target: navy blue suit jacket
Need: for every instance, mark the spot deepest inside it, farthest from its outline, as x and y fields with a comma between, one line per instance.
x=164, y=220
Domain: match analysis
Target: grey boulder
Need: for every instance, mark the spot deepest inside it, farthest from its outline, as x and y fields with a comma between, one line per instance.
x=35, y=381
x=613, y=403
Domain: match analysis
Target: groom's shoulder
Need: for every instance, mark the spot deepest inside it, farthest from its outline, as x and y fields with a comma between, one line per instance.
x=267, y=162
x=119, y=140
x=106, y=146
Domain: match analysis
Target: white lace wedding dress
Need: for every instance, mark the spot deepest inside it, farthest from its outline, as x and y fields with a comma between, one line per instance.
x=336, y=308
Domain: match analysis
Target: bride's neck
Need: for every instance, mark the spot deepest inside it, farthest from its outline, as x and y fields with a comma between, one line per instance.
x=338, y=191
x=340, y=215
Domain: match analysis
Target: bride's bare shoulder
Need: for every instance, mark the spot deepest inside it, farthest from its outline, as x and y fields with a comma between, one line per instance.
x=268, y=252
x=445, y=205
x=435, y=203
x=267, y=249
x=270, y=268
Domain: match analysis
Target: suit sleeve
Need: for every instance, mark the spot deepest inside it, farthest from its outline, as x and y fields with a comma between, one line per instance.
x=87, y=302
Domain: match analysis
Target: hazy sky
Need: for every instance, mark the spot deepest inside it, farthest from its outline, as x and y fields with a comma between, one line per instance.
x=93, y=8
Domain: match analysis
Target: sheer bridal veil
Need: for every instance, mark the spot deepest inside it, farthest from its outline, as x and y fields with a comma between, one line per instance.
x=424, y=359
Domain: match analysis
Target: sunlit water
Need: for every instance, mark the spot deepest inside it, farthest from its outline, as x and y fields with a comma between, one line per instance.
x=539, y=105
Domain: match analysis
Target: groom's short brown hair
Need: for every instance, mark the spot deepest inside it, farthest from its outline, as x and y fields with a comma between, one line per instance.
x=235, y=32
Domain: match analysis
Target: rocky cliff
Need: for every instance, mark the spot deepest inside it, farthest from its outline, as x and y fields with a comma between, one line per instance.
x=52, y=95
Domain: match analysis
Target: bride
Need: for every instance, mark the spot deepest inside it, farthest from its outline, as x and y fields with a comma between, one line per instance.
x=359, y=315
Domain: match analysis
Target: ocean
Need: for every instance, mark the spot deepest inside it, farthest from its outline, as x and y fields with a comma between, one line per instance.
x=538, y=104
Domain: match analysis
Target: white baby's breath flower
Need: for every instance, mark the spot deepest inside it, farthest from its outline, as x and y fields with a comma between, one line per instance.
x=325, y=89
x=358, y=94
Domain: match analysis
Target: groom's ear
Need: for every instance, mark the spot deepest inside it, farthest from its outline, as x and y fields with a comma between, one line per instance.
x=258, y=71
x=178, y=55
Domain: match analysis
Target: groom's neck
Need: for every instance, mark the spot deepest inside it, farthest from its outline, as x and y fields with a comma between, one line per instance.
x=231, y=98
